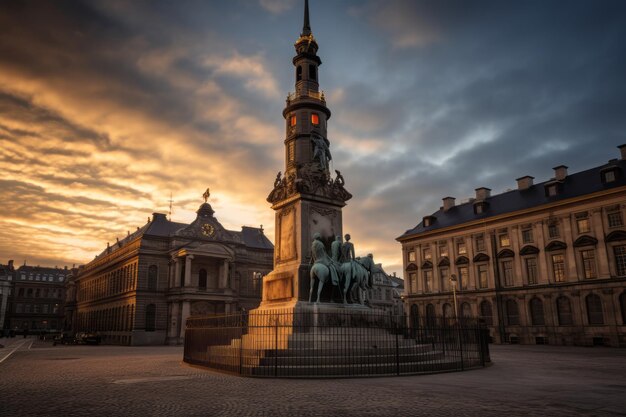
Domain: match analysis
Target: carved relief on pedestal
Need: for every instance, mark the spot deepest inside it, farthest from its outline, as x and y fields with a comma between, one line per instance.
x=322, y=220
x=286, y=249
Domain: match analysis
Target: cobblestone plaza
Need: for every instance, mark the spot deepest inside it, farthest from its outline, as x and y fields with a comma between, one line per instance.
x=39, y=379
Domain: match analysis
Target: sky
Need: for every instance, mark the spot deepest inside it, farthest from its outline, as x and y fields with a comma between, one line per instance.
x=107, y=107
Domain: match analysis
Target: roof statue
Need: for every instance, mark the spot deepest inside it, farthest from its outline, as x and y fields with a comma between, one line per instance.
x=206, y=195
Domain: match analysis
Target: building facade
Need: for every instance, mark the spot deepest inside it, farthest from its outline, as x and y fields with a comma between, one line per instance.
x=7, y=276
x=545, y=263
x=386, y=292
x=36, y=298
x=142, y=289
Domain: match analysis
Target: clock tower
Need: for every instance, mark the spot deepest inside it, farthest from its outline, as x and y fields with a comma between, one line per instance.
x=308, y=197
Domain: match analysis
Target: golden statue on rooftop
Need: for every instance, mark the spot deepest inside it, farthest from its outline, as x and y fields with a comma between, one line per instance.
x=206, y=195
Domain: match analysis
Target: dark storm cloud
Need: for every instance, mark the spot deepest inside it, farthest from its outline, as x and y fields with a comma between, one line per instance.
x=107, y=106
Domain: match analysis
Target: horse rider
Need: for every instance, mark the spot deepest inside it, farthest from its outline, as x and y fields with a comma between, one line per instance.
x=347, y=253
x=319, y=255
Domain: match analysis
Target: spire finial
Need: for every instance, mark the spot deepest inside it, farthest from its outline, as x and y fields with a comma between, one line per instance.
x=306, y=27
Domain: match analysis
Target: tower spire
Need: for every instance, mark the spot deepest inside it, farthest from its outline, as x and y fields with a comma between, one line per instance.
x=306, y=27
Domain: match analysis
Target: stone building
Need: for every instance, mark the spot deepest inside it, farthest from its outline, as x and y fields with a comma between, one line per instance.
x=545, y=263
x=386, y=291
x=36, y=299
x=141, y=289
x=7, y=275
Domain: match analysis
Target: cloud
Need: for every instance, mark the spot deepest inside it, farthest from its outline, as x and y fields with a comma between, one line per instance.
x=277, y=6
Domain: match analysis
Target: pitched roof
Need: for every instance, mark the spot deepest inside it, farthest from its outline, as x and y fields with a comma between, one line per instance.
x=574, y=185
x=253, y=237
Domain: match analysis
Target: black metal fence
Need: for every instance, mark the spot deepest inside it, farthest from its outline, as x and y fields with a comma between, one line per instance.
x=312, y=344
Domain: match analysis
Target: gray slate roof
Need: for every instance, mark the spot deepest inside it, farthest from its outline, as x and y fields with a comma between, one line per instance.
x=574, y=185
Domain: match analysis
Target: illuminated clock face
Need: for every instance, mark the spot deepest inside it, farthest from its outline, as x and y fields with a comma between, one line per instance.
x=208, y=229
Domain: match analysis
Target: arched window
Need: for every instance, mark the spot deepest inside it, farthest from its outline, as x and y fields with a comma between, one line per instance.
x=466, y=310
x=414, y=316
x=594, y=309
x=564, y=311
x=512, y=313
x=312, y=72
x=486, y=313
x=152, y=278
x=622, y=305
x=430, y=315
x=536, y=312
x=150, y=318
x=202, y=279
x=447, y=311
x=299, y=73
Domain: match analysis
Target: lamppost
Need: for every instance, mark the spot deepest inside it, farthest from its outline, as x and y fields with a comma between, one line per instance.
x=453, y=282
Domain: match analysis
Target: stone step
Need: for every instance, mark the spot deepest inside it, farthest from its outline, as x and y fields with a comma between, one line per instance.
x=319, y=351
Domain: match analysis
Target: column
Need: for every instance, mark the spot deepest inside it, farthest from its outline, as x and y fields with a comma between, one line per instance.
x=517, y=260
x=177, y=268
x=603, y=258
x=188, y=260
x=471, y=268
x=174, y=311
x=570, y=258
x=542, y=259
x=183, y=319
x=224, y=274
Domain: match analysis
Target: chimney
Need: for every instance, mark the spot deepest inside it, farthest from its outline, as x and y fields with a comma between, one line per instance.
x=560, y=172
x=448, y=203
x=622, y=149
x=11, y=267
x=525, y=182
x=482, y=193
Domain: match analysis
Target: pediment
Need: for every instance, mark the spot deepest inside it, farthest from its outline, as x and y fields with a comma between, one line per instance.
x=214, y=250
x=481, y=257
x=616, y=236
x=411, y=267
x=427, y=264
x=529, y=250
x=506, y=253
x=555, y=245
x=444, y=261
x=461, y=260
x=585, y=240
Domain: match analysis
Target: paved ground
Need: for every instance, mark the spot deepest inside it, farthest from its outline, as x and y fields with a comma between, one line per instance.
x=38, y=379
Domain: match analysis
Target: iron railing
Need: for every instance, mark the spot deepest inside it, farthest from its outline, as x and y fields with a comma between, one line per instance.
x=305, y=92
x=346, y=344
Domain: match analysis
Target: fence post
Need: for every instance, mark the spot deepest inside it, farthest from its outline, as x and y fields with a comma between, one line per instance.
x=241, y=328
x=460, y=336
x=397, y=350
x=276, y=348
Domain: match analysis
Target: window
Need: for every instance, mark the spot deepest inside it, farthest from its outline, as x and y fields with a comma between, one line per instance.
x=444, y=275
x=299, y=73
x=483, y=276
x=202, y=279
x=486, y=313
x=512, y=313
x=152, y=277
x=594, y=309
x=527, y=235
x=415, y=318
x=463, y=277
x=411, y=256
x=20, y=292
x=531, y=270
x=292, y=120
x=558, y=266
x=564, y=311
x=536, y=312
x=583, y=225
x=480, y=243
x=150, y=317
x=620, y=259
x=19, y=308
x=552, y=190
x=504, y=240
x=413, y=281
x=428, y=281
x=609, y=176
x=45, y=308
x=507, y=273
x=466, y=310
x=312, y=72
x=615, y=219
x=447, y=311
x=427, y=254
x=430, y=315
x=589, y=263
x=315, y=119
x=443, y=249
x=553, y=231
x=29, y=293
x=461, y=248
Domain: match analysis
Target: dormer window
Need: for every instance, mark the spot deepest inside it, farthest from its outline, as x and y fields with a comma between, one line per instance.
x=480, y=207
x=552, y=190
x=610, y=175
x=428, y=221
x=315, y=119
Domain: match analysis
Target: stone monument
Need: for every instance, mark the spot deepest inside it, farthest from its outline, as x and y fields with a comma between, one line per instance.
x=307, y=199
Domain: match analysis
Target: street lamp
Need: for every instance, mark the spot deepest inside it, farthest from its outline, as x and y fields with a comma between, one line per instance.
x=453, y=282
